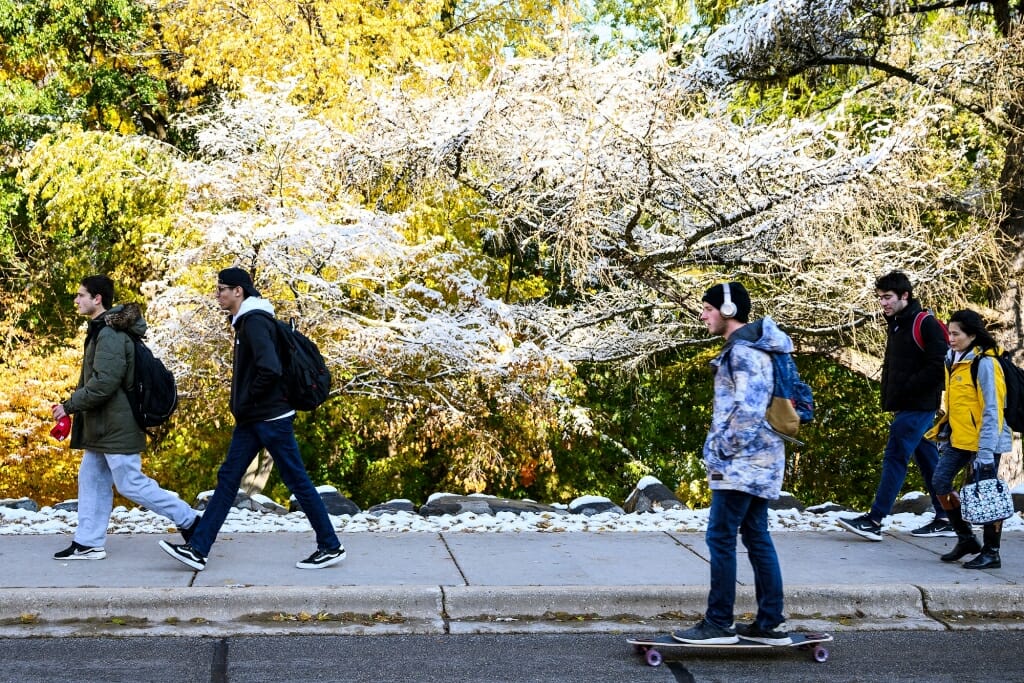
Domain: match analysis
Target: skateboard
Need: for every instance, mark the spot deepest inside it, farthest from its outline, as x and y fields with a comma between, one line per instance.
x=651, y=647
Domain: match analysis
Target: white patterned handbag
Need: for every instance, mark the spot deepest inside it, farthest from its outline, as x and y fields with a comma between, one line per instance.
x=986, y=500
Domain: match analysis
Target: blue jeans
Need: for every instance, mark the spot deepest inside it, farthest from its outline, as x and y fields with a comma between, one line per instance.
x=278, y=437
x=732, y=510
x=906, y=439
x=951, y=461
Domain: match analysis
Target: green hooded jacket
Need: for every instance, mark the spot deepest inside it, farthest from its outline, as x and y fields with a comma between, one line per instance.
x=102, y=419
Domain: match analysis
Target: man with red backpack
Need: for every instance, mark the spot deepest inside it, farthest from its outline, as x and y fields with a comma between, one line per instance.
x=912, y=382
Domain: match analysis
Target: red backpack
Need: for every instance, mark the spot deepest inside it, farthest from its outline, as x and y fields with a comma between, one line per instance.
x=916, y=331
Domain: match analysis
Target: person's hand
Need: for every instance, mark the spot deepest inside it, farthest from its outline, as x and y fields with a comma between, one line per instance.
x=58, y=411
x=985, y=470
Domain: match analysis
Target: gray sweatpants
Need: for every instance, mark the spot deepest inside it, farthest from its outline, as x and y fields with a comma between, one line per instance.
x=98, y=473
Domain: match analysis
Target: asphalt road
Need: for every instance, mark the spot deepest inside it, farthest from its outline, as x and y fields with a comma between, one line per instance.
x=862, y=657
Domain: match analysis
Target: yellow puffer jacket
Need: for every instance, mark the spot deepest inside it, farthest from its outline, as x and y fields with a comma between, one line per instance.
x=965, y=406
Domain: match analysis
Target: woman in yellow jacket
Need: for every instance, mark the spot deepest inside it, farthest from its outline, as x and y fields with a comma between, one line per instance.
x=972, y=431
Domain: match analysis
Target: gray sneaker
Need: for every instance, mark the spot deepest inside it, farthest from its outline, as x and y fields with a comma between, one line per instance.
x=934, y=529
x=760, y=635
x=705, y=633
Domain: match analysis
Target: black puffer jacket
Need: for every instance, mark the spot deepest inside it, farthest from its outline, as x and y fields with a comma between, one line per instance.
x=102, y=416
x=257, y=392
x=913, y=379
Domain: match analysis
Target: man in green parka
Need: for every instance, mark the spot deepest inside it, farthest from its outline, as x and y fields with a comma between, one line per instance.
x=105, y=428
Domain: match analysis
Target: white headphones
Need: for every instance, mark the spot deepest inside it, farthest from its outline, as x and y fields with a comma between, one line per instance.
x=728, y=309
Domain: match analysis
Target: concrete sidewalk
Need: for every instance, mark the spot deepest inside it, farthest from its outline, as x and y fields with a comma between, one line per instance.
x=467, y=582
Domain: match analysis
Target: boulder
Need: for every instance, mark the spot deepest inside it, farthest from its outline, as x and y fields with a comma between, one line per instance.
x=67, y=505
x=650, y=495
x=242, y=501
x=785, y=501
x=20, y=504
x=399, y=505
x=261, y=503
x=481, y=505
x=335, y=503
x=914, y=502
x=593, y=505
x=825, y=508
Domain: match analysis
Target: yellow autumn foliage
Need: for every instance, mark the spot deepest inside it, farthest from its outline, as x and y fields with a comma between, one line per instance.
x=336, y=46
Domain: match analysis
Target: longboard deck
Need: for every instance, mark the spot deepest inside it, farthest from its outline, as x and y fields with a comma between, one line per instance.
x=668, y=642
x=652, y=647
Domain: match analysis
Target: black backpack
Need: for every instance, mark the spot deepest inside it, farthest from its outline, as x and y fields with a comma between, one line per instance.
x=153, y=394
x=307, y=381
x=1013, y=414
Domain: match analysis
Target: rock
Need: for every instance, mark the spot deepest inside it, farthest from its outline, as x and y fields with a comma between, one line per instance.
x=335, y=503
x=481, y=505
x=785, y=501
x=261, y=503
x=825, y=508
x=398, y=505
x=20, y=504
x=1018, y=502
x=650, y=495
x=242, y=500
x=67, y=505
x=593, y=505
x=914, y=502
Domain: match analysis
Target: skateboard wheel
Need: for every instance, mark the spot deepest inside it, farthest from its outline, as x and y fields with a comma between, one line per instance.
x=653, y=658
x=821, y=654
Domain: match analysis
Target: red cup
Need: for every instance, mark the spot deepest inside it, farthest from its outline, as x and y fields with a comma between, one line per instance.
x=61, y=430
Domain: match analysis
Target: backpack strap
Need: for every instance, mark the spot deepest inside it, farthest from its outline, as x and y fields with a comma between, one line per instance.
x=916, y=330
x=974, y=365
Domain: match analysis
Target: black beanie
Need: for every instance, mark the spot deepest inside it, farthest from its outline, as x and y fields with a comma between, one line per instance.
x=737, y=294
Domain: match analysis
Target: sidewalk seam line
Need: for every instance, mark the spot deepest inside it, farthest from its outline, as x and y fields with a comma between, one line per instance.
x=465, y=581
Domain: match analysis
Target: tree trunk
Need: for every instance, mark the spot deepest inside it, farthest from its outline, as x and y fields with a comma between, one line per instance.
x=255, y=479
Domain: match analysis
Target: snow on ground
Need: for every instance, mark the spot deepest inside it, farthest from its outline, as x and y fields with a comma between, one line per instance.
x=138, y=521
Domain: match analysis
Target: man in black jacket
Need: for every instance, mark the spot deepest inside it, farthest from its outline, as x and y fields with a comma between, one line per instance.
x=263, y=419
x=913, y=375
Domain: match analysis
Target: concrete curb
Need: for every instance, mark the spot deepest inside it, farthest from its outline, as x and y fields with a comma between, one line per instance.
x=493, y=603
x=958, y=608
x=207, y=604
x=476, y=609
x=652, y=602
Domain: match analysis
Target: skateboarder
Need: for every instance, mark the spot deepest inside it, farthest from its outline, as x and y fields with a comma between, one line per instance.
x=745, y=460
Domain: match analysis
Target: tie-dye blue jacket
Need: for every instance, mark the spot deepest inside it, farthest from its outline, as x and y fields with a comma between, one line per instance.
x=741, y=451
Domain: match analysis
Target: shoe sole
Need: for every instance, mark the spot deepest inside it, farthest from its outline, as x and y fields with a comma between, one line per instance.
x=166, y=547
x=769, y=641
x=871, y=536
x=936, y=534
x=83, y=556
x=329, y=563
x=707, y=641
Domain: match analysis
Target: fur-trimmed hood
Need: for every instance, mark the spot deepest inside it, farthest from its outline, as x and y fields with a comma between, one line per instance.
x=126, y=318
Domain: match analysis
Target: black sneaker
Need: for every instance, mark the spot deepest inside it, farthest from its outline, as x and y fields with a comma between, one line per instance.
x=322, y=558
x=760, y=635
x=863, y=526
x=706, y=634
x=77, y=551
x=185, y=554
x=935, y=528
x=187, y=531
